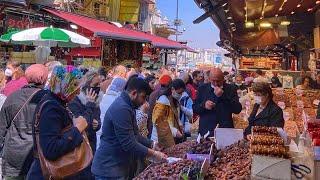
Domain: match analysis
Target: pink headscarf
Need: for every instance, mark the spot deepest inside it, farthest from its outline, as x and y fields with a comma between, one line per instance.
x=37, y=73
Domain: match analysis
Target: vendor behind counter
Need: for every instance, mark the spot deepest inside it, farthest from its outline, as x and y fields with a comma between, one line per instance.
x=265, y=111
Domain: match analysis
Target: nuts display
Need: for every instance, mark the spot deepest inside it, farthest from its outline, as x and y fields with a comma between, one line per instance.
x=168, y=171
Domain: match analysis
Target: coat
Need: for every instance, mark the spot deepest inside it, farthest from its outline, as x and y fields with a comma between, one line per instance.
x=165, y=121
x=120, y=144
x=186, y=111
x=53, y=119
x=221, y=114
x=90, y=111
x=270, y=116
x=17, y=136
x=14, y=85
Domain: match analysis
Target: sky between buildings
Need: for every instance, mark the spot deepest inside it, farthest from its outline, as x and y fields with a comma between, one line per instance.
x=203, y=35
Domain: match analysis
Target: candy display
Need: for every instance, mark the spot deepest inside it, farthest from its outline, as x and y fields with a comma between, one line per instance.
x=264, y=130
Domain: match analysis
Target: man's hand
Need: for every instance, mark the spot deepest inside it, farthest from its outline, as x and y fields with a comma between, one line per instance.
x=156, y=146
x=218, y=91
x=159, y=156
x=209, y=105
x=95, y=124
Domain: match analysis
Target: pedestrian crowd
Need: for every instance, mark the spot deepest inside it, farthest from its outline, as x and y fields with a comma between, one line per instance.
x=63, y=122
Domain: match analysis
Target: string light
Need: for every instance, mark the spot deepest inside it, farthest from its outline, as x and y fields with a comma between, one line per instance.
x=292, y=12
x=299, y=5
x=263, y=8
x=281, y=7
x=310, y=9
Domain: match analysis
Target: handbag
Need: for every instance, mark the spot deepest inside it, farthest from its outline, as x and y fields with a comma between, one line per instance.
x=67, y=165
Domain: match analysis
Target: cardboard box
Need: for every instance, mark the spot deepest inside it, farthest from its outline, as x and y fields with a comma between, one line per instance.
x=265, y=167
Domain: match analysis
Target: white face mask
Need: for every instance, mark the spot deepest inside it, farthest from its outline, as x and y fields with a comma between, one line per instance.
x=257, y=99
x=176, y=96
x=213, y=86
x=8, y=73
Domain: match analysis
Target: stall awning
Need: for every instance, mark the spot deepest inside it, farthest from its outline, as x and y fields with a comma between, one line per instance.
x=160, y=42
x=109, y=30
x=100, y=28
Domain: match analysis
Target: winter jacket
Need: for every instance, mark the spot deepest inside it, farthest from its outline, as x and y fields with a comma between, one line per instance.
x=221, y=114
x=120, y=143
x=165, y=122
x=14, y=85
x=79, y=106
x=54, y=118
x=186, y=111
x=16, y=137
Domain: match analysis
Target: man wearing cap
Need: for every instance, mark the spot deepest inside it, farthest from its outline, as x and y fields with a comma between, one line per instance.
x=215, y=103
x=164, y=81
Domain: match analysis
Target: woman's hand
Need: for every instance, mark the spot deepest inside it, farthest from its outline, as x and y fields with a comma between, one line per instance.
x=91, y=95
x=145, y=107
x=80, y=123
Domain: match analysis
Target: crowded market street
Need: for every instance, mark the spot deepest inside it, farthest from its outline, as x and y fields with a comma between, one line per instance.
x=159, y=89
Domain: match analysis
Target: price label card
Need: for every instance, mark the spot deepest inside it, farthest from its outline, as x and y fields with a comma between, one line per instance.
x=227, y=136
x=316, y=102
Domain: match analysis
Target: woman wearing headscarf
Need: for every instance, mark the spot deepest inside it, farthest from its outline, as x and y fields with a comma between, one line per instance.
x=16, y=119
x=54, y=139
x=113, y=91
x=86, y=104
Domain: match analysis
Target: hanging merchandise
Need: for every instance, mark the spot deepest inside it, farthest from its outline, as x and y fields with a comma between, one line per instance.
x=42, y=54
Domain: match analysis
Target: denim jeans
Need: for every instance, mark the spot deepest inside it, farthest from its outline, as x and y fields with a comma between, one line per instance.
x=113, y=178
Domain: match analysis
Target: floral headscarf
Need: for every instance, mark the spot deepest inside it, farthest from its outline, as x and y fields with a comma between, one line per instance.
x=64, y=81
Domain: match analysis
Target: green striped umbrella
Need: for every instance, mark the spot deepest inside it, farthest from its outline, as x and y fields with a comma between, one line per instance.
x=51, y=37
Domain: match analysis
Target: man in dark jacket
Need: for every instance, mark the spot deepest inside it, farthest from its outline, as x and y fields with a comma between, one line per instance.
x=215, y=103
x=121, y=144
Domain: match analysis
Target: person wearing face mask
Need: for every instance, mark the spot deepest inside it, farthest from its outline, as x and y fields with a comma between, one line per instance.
x=16, y=117
x=215, y=103
x=265, y=111
x=18, y=80
x=167, y=129
x=185, y=101
x=121, y=143
x=239, y=83
x=86, y=104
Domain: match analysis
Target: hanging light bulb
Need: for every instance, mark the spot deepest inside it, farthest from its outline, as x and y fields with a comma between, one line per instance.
x=249, y=24
x=317, y=2
x=292, y=12
x=299, y=5
x=310, y=9
x=276, y=15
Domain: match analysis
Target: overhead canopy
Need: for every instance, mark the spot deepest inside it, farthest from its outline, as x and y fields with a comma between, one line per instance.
x=14, y=2
x=231, y=17
x=109, y=30
x=99, y=28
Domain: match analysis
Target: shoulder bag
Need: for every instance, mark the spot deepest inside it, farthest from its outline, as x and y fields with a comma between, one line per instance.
x=68, y=164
